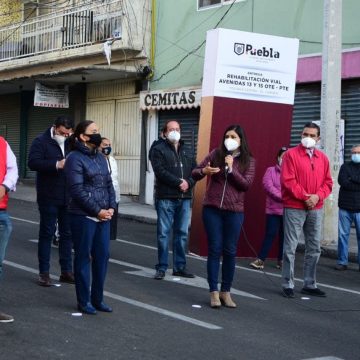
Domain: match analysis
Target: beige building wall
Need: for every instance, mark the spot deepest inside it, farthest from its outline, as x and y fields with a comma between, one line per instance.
x=114, y=106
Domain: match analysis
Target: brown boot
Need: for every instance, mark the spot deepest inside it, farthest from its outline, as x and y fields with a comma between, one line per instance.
x=226, y=300
x=214, y=300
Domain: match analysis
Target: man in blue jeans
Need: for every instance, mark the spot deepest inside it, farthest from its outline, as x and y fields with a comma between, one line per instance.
x=349, y=206
x=172, y=165
x=47, y=157
x=8, y=179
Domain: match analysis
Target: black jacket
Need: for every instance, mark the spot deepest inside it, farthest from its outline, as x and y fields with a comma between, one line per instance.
x=169, y=168
x=89, y=182
x=50, y=182
x=349, y=181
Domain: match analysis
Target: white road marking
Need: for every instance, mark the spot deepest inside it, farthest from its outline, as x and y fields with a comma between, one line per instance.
x=237, y=266
x=133, y=302
x=248, y=269
x=325, y=358
x=163, y=311
x=196, y=282
x=24, y=220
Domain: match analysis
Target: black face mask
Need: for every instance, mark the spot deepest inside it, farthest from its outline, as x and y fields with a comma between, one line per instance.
x=95, y=139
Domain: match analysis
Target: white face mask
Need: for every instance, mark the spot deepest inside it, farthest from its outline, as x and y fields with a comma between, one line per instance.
x=231, y=144
x=280, y=161
x=59, y=139
x=173, y=136
x=308, y=142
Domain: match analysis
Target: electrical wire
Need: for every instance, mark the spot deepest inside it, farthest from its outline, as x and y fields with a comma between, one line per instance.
x=196, y=49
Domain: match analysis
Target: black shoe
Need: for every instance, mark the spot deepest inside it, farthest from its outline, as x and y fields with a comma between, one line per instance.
x=103, y=307
x=313, y=292
x=288, y=293
x=159, y=275
x=44, y=280
x=87, y=309
x=183, y=273
x=340, y=267
x=67, y=277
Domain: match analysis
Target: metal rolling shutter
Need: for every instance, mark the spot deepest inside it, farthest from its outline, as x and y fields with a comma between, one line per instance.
x=307, y=108
x=189, y=121
x=10, y=121
x=350, y=112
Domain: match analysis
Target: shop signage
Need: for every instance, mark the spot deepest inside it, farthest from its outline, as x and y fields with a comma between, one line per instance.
x=250, y=66
x=56, y=96
x=170, y=99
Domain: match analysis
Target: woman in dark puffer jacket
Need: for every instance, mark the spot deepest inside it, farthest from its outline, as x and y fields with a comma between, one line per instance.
x=91, y=207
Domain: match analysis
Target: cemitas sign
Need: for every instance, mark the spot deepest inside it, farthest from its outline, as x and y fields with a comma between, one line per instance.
x=250, y=66
x=182, y=98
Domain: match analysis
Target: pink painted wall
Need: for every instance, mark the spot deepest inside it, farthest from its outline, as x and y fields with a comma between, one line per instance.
x=309, y=68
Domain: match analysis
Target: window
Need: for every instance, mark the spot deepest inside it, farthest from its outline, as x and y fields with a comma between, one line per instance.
x=205, y=4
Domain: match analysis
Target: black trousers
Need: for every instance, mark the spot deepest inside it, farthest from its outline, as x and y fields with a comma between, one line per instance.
x=113, y=223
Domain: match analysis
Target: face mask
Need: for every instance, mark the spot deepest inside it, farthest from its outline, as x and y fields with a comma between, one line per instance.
x=308, y=142
x=355, y=158
x=95, y=139
x=231, y=144
x=173, y=136
x=59, y=139
x=280, y=161
x=106, y=150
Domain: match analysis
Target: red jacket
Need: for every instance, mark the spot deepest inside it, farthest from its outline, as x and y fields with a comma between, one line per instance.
x=3, y=159
x=301, y=175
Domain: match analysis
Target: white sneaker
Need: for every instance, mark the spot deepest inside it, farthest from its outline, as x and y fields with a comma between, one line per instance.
x=257, y=264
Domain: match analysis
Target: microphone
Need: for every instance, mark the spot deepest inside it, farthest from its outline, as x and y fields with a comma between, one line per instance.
x=226, y=164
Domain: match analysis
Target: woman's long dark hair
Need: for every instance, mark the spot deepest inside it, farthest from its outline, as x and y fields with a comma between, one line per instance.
x=79, y=129
x=245, y=153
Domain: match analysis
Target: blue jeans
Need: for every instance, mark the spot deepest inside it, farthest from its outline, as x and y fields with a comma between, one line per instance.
x=91, y=245
x=49, y=214
x=172, y=216
x=5, y=231
x=346, y=218
x=274, y=226
x=223, y=231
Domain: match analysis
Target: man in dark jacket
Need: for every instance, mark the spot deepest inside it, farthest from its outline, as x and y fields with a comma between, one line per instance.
x=349, y=206
x=47, y=157
x=172, y=166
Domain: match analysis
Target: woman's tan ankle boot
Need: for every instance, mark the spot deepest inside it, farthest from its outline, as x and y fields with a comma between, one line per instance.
x=226, y=300
x=215, y=300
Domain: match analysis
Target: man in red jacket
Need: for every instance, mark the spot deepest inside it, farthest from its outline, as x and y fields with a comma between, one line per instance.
x=8, y=179
x=305, y=183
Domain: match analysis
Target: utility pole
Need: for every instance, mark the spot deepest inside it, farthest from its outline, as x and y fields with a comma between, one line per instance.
x=331, y=109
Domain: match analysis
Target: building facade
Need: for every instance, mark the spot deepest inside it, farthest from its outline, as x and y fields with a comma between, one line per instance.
x=179, y=56
x=96, y=52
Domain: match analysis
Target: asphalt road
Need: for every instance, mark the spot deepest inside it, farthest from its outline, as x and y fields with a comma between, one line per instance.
x=171, y=319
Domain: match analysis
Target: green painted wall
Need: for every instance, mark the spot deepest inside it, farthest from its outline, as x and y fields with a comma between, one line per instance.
x=181, y=29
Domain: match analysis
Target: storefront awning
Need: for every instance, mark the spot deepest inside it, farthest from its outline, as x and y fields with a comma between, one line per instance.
x=182, y=98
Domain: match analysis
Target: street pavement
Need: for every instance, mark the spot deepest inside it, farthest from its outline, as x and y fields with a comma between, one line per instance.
x=170, y=319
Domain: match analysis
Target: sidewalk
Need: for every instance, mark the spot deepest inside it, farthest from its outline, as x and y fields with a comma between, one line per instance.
x=129, y=209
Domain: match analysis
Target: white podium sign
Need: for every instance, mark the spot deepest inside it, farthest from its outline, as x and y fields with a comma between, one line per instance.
x=250, y=66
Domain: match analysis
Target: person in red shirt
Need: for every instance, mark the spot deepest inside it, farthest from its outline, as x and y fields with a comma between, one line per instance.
x=305, y=183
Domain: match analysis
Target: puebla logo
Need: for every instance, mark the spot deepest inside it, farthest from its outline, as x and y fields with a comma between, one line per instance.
x=248, y=49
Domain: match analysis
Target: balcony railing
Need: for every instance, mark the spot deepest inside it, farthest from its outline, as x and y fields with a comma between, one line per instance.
x=61, y=30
